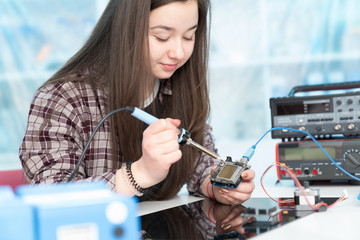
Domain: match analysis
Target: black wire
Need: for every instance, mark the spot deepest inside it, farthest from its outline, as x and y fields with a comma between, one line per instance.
x=129, y=109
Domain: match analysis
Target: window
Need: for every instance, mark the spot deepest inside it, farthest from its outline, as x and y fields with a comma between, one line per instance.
x=259, y=49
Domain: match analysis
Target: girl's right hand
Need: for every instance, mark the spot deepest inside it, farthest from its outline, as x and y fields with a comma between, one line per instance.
x=160, y=149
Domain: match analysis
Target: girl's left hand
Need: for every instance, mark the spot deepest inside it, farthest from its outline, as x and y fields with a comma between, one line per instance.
x=240, y=194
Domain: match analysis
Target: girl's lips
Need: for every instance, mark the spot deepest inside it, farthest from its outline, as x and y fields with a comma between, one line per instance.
x=169, y=67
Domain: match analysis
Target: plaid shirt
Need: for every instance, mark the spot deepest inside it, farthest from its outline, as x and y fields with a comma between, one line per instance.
x=61, y=119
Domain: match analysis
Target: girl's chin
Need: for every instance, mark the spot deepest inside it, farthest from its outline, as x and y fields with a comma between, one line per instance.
x=164, y=75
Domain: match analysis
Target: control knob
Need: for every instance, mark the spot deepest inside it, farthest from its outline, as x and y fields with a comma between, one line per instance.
x=337, y=127
x=352, y=158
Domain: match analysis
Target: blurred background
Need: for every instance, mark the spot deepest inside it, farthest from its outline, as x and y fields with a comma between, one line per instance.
x=259, y=49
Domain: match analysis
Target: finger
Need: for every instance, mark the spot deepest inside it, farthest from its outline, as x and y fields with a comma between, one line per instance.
x=248, y=175
x=168, y=147
x=230, y=200
x=234, y=196
x=212, y=169
x=165, y=136
x=245, y=187
x=234, y=224
x=234, y=213
x=161, y=125
x=173, y=157
x=239, y=229
x=175, y=122
x=239, y=197
x=157, y=149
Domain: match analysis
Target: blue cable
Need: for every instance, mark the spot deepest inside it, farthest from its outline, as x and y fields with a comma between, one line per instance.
x=296, y=130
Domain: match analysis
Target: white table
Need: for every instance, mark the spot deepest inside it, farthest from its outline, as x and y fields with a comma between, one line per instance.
x=339, y=222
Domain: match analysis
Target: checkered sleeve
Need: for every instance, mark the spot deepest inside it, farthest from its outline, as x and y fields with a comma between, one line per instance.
x=61, y=119
x=204, y=166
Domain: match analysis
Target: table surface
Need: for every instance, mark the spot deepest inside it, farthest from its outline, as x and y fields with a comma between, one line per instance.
x=338, y=222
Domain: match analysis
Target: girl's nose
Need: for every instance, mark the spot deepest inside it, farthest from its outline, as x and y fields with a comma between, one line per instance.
x=176, y=50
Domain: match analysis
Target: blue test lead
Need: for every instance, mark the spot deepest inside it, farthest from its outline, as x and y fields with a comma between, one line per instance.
x=249, y=153
x=184, y=136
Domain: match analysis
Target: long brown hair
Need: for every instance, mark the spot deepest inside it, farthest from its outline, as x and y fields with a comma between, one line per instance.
x=117, y=58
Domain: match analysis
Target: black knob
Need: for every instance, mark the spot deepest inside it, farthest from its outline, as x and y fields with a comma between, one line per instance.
x=352, y=158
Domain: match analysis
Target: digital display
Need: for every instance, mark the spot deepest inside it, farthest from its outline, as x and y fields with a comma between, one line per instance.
x=303, y=108
x=297, y=154
x=227, y=172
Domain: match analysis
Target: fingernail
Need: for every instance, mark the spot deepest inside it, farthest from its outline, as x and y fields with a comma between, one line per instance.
x=244, y=175
x=227, y=227
x=252, y=219
x=225, y=190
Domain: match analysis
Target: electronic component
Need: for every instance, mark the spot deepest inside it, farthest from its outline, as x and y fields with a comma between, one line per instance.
x=301, y=203
x=228, y=173
x=308, y=199
x=309, y=162
x=259, y=211
x=258, y=220
x=320, y=115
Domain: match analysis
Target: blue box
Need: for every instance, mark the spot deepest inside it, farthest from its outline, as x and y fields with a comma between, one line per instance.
x=81, y=211
x=16, y=217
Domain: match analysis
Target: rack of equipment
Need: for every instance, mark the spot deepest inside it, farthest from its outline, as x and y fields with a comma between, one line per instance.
x=329, y=112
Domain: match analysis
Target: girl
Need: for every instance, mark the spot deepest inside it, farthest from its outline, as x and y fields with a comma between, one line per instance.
x=151, y=54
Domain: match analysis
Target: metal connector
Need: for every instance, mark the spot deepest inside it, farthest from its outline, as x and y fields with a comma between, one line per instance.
x=201, y=148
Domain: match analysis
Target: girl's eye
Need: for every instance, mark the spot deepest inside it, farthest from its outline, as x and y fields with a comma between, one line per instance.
x=161, y=39
x=191, y=38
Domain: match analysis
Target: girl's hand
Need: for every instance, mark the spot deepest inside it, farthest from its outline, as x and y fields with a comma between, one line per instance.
x=160, y=149
x=240, y=194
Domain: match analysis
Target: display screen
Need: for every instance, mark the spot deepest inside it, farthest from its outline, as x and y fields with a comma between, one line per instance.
x=227, y=172
x=305, y=107
x=297, y=154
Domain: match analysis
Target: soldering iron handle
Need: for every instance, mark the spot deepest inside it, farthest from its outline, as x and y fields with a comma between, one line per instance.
x=149, y=119
x=144, y=116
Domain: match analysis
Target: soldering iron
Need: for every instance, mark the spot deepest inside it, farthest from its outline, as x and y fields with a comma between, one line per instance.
x=184, y=136
x=227, y=174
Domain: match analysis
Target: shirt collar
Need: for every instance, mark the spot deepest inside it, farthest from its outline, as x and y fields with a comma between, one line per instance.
x=165, y=87
x=151, y=98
